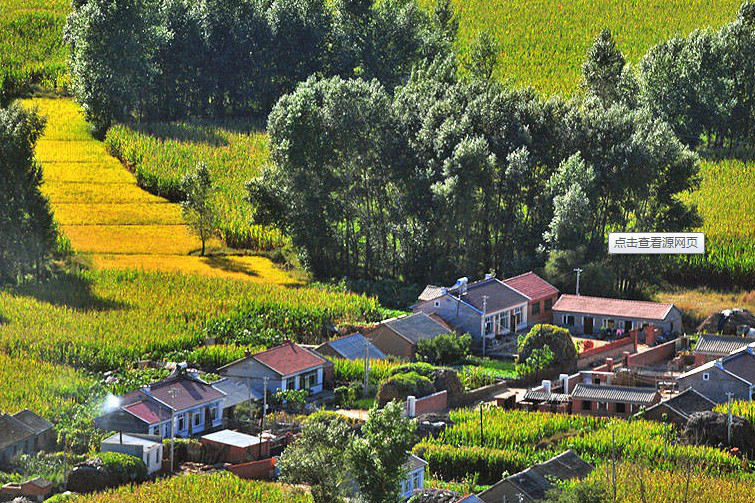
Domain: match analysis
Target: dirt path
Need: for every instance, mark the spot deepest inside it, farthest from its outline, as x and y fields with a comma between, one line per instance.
x=110, y=219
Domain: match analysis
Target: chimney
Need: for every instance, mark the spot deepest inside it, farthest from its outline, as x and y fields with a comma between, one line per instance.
x=625, y=358
x=489, y=275
x=247, y=354
x=586, y=377
x=564, y=378
x=120, y=436
x=547, y=386
x=609, y=364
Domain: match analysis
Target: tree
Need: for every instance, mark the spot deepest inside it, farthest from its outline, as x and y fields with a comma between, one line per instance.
x=198, y=208
x=378, y=459
x=603, y=69
x=483, y=56
x=319, y=458
x=112, y=46
x=27, y=230
x=445, y=349
x=558, y=341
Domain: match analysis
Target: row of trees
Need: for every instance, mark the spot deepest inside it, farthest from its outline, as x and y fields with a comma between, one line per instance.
x=156, y=59
x=27, y=231
x=703, y=84
x=450, y=175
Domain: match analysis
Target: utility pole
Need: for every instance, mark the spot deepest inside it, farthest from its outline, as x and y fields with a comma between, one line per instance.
x=484, y=322
x=251, y=401
x=365, y=390
x=173, y=394
x=728, y=402
x=578, y=271
x=482, y=431
x=264, y=401
x=613, y=461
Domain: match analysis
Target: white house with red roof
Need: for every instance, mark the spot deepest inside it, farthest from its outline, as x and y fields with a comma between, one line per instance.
x=285, y=367
x=582, y=314
x=193, y=404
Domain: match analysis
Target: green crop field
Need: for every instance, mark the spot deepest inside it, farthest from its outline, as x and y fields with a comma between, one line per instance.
x=102, y=320
x=542, y=43
x=31, y=45
x=161, y=154
x=219, y=487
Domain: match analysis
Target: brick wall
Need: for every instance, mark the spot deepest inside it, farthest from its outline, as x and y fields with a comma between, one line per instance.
x=432, y=403
x=654, y=355
x=611, y=350
x=257, y=470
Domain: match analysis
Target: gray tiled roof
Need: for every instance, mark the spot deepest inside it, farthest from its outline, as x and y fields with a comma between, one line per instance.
x=626, y=394
x=499, y=295
x=416, y=327
x=34, y=422
x=352, y=346
x=430, y=292
x=687, y=403
x=12, y=431
x=721, y=345
x=542, y=396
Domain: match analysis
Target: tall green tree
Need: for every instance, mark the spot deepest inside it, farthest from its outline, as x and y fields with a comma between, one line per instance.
x=602, y=71
x=319, y=458
x=198, y=208
x=483, y=56
x=27, y=230
x=378, y=459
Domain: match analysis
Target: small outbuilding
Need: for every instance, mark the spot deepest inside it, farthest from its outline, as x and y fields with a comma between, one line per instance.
x=148, y=448
x=351, y=347
x=606, y=400
x=712, y=347
x=679, y=408
x=37, y=489
x=400, y=336
x=234, y=447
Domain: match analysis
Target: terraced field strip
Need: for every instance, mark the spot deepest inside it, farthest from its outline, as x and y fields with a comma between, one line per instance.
x=108, y=217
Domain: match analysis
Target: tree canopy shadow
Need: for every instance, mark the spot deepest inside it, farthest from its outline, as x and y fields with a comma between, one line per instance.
x=227, y=264
x=200, y=130
x=67, y=289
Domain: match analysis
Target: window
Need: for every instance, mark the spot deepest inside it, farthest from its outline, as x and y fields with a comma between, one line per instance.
x=154, y=430
x=416, y=481
x=568, y=320
x=488, y=325
x=197, y=418
x=548, y=304
x=706, y=376
x=166, y=430
x=436, y=303
x=607, y=323
x=621, y=408
x=181, y=423
x=213, y=413
x=312, y=379
x=518, y=315
x=157, y=456
x=535, y=308
x=586, y=405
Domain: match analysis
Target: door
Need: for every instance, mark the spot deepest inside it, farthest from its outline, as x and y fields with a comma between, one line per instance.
x=588, y=325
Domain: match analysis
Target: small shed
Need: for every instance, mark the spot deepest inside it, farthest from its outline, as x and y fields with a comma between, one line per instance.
x=148, y=448
x=37, y=489
x=679, y=408
x=235, y=447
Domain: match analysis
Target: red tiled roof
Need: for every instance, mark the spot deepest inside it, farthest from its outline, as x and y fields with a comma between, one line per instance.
x=150, y=411
x=531, y=285
x=183, y=392
x=289, y=358
x=612, y=307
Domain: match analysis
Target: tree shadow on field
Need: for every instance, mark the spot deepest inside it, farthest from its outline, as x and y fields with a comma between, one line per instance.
x=227, y=264
x=70, y=290
x=199, y=131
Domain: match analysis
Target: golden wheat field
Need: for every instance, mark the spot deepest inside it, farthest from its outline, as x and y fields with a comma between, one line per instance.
x=108, y=217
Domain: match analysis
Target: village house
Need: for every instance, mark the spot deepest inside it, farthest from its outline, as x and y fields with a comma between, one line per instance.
x=36, y=489
x=285, y=367
x=711, y=347
x=541, y=294
x=610, y=400
x=732, y=375
x=489, y=307
x=534, y=483
x=400, y=336
x=148, y=448
x=680, y=407
x=350, y=347
x=193, y=404
x=582, y=314
x=24, y=433
x=415, y=476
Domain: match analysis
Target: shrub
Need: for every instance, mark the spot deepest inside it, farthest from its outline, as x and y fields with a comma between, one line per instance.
x=345, y=396
x=402, y=385
x=123, y=467
x=445, y=349
x=556, y=338
x=421, y=368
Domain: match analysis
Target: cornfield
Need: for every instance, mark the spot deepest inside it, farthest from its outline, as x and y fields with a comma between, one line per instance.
x=347, y=371
x=218, y=487
x=31, y=45
x=161, y=154
x=47, y=389
x=101, y=320
x=743, y=409
x=542, y=44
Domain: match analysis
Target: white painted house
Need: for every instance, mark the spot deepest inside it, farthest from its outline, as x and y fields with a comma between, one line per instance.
x=148, y=448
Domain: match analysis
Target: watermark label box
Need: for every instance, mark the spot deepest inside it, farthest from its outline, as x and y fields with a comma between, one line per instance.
x=656, y=243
